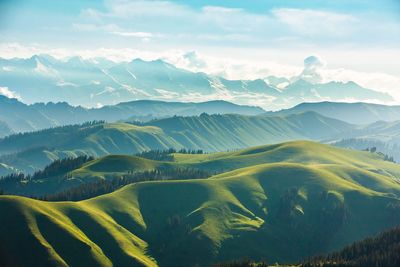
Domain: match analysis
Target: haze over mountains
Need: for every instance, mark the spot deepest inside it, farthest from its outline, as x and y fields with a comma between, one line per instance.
x=16, y=116
x=357, y=113
x=32, y=151
x=99, y=81
x=218, y=206
x=254, y=201
x=174, y=133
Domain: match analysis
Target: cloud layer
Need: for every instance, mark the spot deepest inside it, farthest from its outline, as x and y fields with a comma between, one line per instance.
x=8, y=93
x=238, y=40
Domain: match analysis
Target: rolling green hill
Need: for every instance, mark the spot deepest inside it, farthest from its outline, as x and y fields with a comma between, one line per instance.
x=32, y=151
x=113, y=166
x=281, y=202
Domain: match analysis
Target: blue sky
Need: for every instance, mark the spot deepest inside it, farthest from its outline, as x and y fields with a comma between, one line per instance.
x=238, y=39
x=254, y=23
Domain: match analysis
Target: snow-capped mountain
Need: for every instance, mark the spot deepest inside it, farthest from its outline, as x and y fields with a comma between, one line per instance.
x=99, y=81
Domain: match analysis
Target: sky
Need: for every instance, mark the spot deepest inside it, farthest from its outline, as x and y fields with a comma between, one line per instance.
x=353, y=39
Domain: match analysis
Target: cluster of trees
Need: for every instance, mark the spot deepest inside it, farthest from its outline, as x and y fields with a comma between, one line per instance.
x=57, y=167
x=61, y=166
x=65, y=128
x=243, y=263
x=385, y=156
x=48, y=137
x=101, y=187
x=166, y=155
x=389, y=151
x=383, y=250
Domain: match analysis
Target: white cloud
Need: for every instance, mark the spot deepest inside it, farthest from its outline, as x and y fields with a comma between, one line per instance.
x=62, y=83
x=115, y=30
x=7, y=68
x=128, y=9
x=8, y=93
x=167, y=95
x=44, y=70
x=378, y=81
x=250, y=64
x=95, y=27
x=134, y=34
x=311, y=22
x=189, y=60
x=312, y=67
x=232, y=19
x=10, y=50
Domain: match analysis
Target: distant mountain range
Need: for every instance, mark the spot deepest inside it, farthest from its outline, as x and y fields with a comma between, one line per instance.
x=33, y=150
x=160, y=125
x=43, y=78
x=16, y=116
x=357, y=113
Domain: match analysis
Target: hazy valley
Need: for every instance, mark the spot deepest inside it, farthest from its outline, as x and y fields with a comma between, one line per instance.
x=199, y=133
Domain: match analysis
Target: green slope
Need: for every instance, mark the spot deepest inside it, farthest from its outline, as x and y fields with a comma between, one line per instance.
x=32, y=151
x=108, y=167
x=293, y=200
x=227, y=132
x=349, y=164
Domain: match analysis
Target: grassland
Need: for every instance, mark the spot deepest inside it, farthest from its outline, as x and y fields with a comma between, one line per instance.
x=279, y=203
x=211, y=133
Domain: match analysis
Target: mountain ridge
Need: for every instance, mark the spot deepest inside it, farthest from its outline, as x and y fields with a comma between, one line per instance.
x=89, y=82
x=32, y=151
x=22, y=117
x=356, y=112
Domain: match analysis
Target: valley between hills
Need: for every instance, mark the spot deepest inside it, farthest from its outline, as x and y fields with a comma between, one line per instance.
x=279, y=203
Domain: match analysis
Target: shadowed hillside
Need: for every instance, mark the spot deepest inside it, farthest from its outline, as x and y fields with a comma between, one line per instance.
x=280, y=203
x=32, y=151
x=380, y=250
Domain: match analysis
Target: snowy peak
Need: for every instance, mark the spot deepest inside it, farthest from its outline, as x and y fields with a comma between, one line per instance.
x=94, y=82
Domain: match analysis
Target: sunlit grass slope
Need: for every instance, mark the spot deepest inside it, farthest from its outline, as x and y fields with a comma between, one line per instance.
x=349, y=164
x=277, y=203
x=207, y=132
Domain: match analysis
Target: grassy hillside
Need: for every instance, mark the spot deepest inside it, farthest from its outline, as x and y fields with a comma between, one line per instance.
x=223, y=132
x=207, y=132
x=32, y=151
x=119, y=166
x=280, y=203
